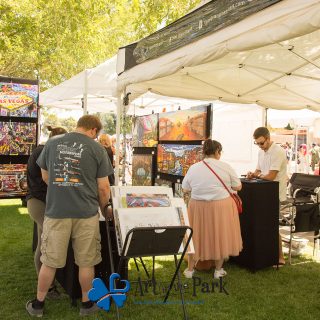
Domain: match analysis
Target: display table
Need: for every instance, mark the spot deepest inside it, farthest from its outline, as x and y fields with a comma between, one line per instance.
x=68, y=276
x=259, y=224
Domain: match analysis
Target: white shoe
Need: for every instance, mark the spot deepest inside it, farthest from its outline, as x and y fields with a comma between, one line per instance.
x=219, y=273
x=188, y=274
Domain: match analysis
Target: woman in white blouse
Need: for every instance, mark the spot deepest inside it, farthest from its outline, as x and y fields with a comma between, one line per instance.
x=212, y=212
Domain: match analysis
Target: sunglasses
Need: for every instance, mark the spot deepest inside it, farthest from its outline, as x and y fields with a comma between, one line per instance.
x=260, y=143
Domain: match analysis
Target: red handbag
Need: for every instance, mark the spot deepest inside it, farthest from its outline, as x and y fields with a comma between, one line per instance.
x=234, y=196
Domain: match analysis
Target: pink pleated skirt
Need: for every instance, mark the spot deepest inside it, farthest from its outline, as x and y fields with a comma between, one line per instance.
x=216, y=229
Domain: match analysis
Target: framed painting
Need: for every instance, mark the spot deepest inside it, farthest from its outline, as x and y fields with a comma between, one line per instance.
x=184, y=125
x=142, y=170
x=176, y=159
x=5, y=138
x=145, y=131
x=18, y=99
x=22, y=138
x=13, y=180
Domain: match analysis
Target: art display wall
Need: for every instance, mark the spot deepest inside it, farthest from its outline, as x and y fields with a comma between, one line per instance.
x=167, y=144
x=18, y=133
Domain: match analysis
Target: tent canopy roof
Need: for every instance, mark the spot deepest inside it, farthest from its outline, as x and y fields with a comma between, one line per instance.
x=98, y=83
x=270, y=58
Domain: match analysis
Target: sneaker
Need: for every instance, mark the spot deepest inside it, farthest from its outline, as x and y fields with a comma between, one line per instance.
x=188, y=274
x=88, y=311
x=35, y=312
x=53, y=293
x=219, y=273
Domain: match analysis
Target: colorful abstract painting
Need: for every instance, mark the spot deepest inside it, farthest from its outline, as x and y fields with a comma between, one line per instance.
x=145, y=131
x=13, y=180
x=18, y=100
x=184, y=125
x=176, y=159
x=147, y=200
x=142, y=170
x=17, y=138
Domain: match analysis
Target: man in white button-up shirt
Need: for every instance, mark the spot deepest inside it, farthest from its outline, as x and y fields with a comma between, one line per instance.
x=272, y=165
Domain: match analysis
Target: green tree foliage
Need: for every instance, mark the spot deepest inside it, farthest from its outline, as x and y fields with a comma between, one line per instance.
x=52, y=119
x=108, y=121
x=57, y=39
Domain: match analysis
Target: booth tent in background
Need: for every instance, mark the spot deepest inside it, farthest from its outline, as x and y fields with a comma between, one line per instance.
x=94, y=90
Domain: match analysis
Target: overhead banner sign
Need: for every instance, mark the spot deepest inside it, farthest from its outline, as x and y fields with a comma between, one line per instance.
x=211, y=17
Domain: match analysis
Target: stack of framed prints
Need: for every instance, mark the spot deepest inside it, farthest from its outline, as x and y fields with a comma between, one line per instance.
x=146, y=207
x=18, y=132
x=166, y=145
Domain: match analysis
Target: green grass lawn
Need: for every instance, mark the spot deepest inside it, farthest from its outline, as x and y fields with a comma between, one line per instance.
x=293, y=292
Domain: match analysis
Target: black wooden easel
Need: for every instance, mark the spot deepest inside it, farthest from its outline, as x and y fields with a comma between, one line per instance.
x=158, y=241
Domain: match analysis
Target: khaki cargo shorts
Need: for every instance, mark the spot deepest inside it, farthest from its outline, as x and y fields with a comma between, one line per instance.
x=85, y=236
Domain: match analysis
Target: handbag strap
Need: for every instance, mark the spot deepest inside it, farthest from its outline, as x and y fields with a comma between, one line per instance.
x=217, y=177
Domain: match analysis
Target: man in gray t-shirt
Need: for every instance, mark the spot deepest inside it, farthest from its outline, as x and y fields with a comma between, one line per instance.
x=76, y=169
x=74, y=161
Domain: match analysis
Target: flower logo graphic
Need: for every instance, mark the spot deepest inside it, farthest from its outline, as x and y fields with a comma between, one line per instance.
x=100, y=293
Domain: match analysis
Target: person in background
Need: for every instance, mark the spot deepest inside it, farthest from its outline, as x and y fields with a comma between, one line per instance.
x=272, y=165
x=36, y=199
x=212, y=212
x=314, y=153
x=302, y=159
x=76, y=170
x=105, y=141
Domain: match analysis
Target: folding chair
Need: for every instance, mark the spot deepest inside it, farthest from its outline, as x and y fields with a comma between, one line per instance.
x=300, y=212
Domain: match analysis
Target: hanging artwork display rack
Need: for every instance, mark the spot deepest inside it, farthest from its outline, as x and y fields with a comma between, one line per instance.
x=165, y=145
x=19, y=114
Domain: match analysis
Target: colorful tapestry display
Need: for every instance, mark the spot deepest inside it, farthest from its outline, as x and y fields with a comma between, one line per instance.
x=177, y=158
x=17, y=138
x=145, y=131
x=13, y=180
x=142, y=170
x=183, y=125
x=147, y=200
x=18, y=100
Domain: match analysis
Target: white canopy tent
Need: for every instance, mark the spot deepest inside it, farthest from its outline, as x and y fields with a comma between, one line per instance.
x=269, y=58
x=94, y=90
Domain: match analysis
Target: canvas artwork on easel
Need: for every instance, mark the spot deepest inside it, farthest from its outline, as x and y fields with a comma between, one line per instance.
x=177, y=158
x=184, y=125
x=142, y=170
x=145, y=131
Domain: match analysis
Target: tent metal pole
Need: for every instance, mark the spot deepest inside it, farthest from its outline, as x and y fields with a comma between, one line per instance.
x=264, y=119
x=85, y=93
x=119, y=108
